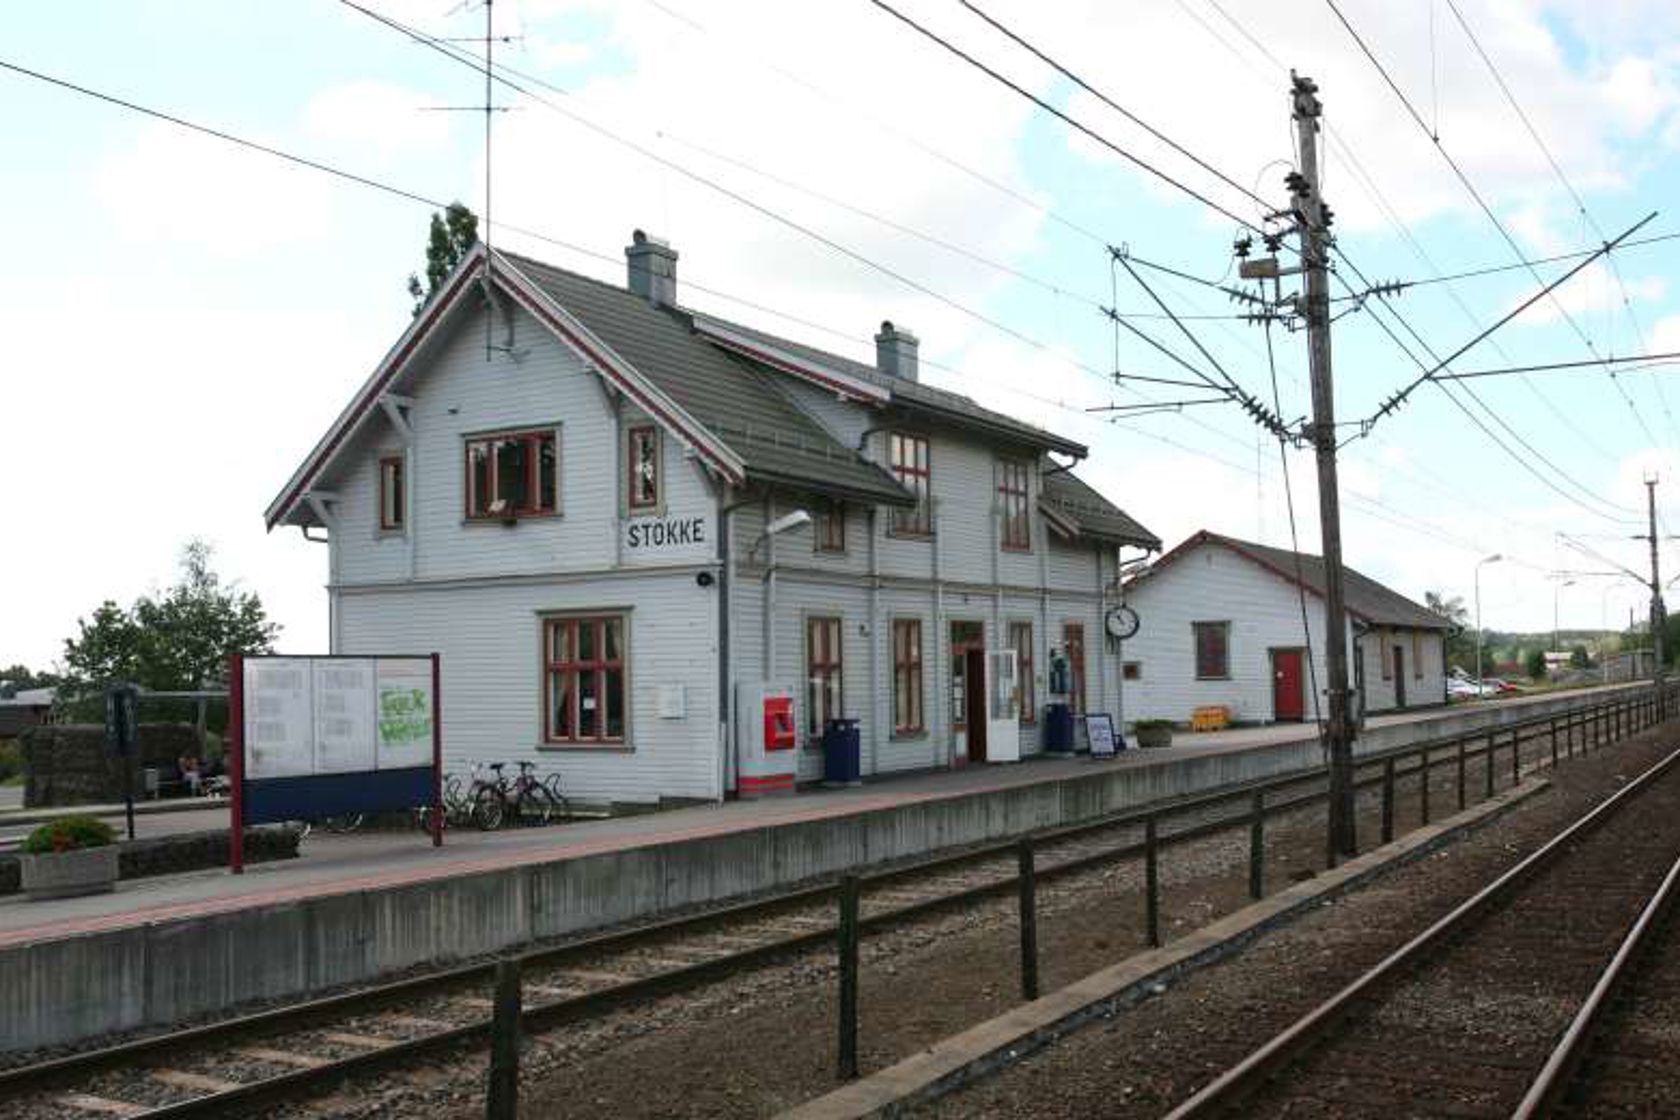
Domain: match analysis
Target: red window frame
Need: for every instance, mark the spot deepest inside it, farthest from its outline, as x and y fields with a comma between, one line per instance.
x=642, y=443
x=1021, y=641
x=907, y=676
x=594, y=669
x=1212, y=644
x=393, y=499
x=825, y=685
x=830, y=535
x=536, y=503
x=1073, y=643
x=1012, y=500
x=912, y=466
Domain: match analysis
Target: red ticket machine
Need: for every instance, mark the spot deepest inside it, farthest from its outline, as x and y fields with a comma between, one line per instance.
x=767, y=733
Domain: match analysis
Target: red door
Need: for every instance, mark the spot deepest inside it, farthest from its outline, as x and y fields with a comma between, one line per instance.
x=1288, y=697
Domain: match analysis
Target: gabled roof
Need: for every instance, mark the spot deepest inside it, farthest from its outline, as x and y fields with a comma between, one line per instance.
x=911, y=395
x=720, y=405
x=1073, y=505
x=1367, y=600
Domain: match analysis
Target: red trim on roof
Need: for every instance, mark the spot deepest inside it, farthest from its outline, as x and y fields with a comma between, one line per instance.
x=386, y=373
x=873, y=393
x=608, y=364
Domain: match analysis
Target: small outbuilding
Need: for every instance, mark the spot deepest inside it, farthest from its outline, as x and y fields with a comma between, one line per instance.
x=1234, y=624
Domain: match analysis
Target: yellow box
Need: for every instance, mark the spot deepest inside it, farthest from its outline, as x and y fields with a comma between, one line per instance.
x=1215, y=717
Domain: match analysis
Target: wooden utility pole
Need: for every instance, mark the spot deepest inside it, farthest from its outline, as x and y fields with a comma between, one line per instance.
x=1314, y=227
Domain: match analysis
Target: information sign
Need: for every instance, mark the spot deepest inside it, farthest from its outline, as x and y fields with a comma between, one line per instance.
x=1099, y=729
x=279, y=719
x=344, y=715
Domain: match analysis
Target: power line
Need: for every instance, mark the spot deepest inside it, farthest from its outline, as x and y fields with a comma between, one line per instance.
x=1090, y=133
x=1648, y=361
x=1018, y=40
x=1397, y=286
x=1487, y=210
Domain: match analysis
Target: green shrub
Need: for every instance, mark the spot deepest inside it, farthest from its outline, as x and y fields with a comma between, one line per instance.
x=1152, y=724
x=11, y=760
x=69, y=833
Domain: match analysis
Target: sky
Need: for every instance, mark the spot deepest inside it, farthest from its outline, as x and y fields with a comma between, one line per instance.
x=181, y=318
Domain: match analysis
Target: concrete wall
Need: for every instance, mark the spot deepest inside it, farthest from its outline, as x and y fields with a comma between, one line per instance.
x=58, y=991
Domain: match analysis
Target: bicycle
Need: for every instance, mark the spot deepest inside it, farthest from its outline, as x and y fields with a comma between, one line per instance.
x=487, y=798
x=340, y=824
x=530, y=793
x=552, y=784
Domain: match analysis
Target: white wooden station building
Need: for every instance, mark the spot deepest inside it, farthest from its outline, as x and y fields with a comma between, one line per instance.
x=623, y=525
x=1221, y=625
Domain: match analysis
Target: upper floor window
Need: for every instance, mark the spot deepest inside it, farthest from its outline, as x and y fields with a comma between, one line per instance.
x=514, y=474
x=830, y=534
x=1012, y=501
x=644, y=467
x=1213, y=650
x=392, y=504
x=910, y=465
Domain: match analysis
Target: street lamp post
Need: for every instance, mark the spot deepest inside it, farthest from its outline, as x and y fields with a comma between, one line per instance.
x=1556, y=589
x=1495, y=558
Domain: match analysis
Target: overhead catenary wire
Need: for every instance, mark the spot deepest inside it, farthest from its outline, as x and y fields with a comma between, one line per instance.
x=1071, y=122
x=1486, y=209
x=1580, y=203
x=1374, y=191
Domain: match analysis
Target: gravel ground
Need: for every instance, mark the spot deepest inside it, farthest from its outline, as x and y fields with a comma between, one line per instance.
x=761, y=1043
x=1144, y=1061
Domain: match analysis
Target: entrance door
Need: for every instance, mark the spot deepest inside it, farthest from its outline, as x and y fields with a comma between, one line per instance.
x=967, y=683
x=1003, y=714
x=974, y=714
x=1399, y=676
x=1288, y=695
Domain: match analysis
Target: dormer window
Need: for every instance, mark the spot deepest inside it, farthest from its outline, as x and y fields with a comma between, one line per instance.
x=392, y=511
x=512, y=475
x=644, y=467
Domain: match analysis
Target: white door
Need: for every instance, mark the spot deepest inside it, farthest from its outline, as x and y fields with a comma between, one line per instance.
x=1003, y=707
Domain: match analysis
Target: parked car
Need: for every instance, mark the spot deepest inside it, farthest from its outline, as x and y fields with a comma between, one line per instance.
x=1463, y=688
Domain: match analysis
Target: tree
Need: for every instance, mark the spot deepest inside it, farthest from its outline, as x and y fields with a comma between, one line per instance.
x=179, y=640
x=453, y=234
x=20, y=678
x=1461, y=640
x=1579, y=658
x=1536, y=663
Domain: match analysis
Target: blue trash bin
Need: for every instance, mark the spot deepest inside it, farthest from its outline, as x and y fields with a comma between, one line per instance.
x=1058, y=729
x=842, y=753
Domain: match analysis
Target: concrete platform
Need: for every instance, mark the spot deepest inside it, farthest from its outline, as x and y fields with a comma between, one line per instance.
x=355, y=908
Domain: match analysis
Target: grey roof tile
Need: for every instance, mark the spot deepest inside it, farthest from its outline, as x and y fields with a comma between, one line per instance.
x=1094, y=515
x=731, y=396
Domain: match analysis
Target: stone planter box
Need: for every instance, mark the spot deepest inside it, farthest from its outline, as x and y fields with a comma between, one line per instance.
x=1153, y=736
x=68, y=874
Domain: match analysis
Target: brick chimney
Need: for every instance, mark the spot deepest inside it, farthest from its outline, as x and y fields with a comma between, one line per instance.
x=895, y=352
x=653, y=269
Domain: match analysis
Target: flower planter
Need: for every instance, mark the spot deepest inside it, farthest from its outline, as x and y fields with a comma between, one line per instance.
x=68, y=874
x=1153, y=736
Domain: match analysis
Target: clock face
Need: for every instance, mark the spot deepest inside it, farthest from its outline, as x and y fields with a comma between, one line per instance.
x=1121, y=622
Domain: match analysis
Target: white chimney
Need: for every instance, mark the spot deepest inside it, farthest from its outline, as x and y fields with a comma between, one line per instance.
x=895, y=352
x=653, y=269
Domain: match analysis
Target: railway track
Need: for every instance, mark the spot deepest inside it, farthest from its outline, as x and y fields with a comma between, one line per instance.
x=308, y=1048
x=1490, y=1011
x=301, y=1050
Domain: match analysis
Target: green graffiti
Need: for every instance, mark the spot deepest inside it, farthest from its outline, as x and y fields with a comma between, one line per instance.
x=405, y=716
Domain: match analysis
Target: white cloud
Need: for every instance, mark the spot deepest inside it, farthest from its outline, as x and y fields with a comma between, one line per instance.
x=175, y=187
x=377, y=115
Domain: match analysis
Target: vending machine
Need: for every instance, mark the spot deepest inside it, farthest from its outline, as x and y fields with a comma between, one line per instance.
x=766, y=739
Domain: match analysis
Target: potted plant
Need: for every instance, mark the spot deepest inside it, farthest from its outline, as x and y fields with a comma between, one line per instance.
x=68, y=857
x=1153, y=732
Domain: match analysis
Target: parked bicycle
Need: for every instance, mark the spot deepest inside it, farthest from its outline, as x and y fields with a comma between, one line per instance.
x=340, y=823
x=525, y=799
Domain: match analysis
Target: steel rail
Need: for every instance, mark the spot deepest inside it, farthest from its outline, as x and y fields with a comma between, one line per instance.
x=1548, y=1088
x=1235, y=1084
x=302, y=1014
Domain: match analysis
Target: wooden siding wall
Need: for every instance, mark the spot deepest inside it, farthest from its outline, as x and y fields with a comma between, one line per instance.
x=1214, y=584
x=1421, y=691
